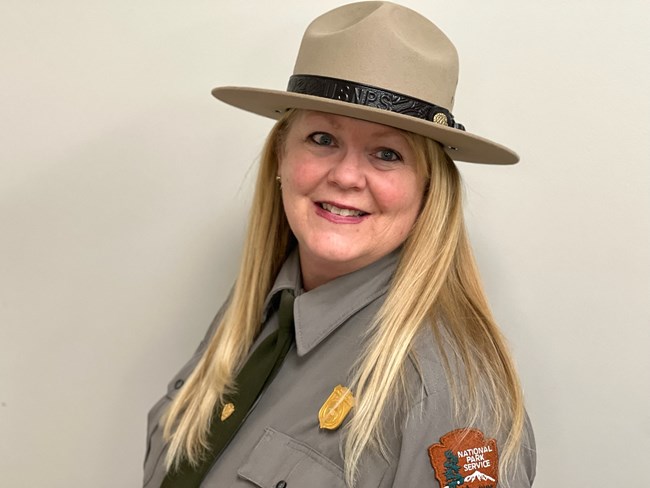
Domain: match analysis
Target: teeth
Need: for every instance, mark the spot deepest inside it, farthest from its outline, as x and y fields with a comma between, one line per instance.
x=344, y=212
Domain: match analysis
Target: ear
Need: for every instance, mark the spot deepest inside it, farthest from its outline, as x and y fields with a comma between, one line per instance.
x=278, y=171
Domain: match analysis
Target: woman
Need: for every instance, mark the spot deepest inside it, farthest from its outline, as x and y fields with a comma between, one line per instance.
x=399, y=375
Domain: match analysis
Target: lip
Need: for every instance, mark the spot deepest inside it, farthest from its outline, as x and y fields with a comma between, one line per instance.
x=339, y=219
x=341, y=205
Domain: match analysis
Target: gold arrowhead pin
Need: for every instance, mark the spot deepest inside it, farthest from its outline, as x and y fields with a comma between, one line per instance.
x=227, y=411
x=337, y=406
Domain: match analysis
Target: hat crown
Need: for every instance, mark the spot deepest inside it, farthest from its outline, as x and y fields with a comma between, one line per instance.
x=385, y=45
x=380, y=62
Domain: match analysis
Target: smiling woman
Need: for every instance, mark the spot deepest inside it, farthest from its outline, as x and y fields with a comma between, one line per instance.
x=357, y=347
x=351, y=191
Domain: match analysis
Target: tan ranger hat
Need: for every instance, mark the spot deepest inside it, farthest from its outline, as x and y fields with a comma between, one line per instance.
x=380, y=62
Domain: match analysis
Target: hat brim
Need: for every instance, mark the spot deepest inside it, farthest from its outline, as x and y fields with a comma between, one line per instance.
x=460, y=145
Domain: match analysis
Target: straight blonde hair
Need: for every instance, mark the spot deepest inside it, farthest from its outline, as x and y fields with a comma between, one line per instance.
x=436, y=285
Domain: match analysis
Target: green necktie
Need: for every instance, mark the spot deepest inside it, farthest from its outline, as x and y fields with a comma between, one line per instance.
x=251, y=380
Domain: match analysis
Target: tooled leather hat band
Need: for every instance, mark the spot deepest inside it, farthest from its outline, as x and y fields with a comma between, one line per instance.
x=370, y=96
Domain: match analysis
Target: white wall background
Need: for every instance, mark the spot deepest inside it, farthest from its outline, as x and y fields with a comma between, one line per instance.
x=123, y=195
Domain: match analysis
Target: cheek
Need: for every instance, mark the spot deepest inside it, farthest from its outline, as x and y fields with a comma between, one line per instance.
x=301, y=174
x=401, y=196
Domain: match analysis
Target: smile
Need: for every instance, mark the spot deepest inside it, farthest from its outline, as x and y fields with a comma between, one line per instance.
x=343, y=212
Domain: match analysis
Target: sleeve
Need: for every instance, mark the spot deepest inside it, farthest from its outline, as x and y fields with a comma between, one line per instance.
x=155, y=447
x=431, y=438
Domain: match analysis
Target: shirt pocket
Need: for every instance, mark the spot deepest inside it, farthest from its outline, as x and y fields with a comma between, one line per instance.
x=279, y=460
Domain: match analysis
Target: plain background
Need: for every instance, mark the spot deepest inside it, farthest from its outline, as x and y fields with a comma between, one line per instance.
x=124, y=189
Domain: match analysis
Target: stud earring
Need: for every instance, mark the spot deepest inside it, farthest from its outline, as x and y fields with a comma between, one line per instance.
x=279, y=180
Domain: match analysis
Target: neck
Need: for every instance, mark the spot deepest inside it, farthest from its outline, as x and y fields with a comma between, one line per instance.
x=317, y=272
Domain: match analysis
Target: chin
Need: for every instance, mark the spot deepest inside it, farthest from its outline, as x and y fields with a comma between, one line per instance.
x=337, y=257
x=343, y=259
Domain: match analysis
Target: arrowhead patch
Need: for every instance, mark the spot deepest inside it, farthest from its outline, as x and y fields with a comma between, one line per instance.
x=464, y=457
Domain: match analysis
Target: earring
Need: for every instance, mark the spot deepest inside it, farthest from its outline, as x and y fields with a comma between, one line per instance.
x=279, y=180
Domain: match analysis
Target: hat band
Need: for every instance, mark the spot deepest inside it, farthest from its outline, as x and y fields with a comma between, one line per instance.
x=370, y=96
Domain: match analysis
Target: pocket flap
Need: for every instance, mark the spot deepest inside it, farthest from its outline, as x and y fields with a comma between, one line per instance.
x=278, y=457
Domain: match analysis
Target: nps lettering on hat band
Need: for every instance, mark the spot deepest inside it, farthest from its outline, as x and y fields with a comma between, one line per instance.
x=370, y=96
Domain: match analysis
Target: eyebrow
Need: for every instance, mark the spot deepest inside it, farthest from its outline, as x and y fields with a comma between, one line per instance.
x=390, y=131
x=383, y=131
x=323, y=115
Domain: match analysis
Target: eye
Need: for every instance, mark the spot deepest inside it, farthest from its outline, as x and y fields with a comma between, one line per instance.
x=388, y=155
x=322, y=138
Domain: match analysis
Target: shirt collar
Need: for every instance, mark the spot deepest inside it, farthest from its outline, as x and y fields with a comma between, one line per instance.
x=319, y=312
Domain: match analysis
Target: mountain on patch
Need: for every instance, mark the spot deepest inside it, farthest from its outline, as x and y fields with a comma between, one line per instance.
x=478, y=476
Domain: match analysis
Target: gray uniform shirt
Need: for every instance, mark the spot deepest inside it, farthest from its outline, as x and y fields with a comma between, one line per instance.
x=281, y=440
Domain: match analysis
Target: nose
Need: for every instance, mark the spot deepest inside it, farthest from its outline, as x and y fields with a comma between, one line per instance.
x=348, y=172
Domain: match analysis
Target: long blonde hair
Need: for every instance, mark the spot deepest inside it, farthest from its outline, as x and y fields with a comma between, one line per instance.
x=436, y=284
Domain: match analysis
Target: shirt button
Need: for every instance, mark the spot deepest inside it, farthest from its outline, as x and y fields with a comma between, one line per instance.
x=281, y=484
x=178, y=384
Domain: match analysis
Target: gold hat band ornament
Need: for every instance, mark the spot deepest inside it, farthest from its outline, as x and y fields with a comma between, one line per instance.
x=337, y=406
x=227, y=411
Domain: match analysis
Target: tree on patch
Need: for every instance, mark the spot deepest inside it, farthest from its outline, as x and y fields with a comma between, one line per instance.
x=452, y=473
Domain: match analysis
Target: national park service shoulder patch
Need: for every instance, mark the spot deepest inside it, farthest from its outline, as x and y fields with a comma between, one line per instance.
x=464, y=457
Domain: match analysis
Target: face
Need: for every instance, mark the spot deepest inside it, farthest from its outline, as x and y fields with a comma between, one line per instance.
x=351, y=192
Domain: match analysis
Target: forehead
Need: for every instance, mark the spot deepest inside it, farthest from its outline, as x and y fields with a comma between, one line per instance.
x=343, y=123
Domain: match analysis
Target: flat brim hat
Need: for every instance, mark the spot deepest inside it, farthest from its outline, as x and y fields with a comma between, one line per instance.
x=380, y=62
